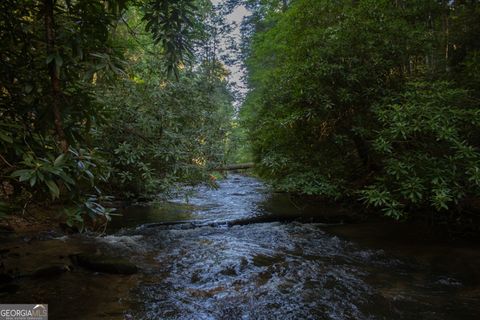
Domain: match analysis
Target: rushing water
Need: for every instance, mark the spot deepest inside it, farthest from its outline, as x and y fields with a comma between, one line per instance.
x=205, y=269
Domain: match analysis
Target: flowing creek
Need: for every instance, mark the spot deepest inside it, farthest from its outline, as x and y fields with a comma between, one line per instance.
x=207, y=268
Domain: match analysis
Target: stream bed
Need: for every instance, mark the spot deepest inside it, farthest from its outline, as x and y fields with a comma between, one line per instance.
x=195, y=264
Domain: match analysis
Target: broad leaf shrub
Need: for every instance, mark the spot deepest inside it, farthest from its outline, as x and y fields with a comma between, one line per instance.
x=428, y=147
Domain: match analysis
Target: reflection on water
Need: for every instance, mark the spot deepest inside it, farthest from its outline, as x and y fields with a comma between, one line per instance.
x=132, y=216
x=204, y=269
x=238, y=197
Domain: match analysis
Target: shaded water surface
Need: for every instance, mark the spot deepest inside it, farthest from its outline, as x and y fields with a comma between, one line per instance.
x=204, y=269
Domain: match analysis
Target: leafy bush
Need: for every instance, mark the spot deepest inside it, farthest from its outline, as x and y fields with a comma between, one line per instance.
x=429, y=151
x=88, y=106
x=161, y=133
x=371, y=99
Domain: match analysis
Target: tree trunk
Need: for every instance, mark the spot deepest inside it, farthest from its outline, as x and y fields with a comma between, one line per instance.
x=54, y=76
x=235, y=166
x=363, y=151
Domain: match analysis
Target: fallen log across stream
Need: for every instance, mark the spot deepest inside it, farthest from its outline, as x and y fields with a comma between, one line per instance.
x=238, y=166
x=193, y=224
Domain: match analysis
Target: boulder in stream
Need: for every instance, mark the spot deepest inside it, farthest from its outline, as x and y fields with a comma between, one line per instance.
x=50, y=270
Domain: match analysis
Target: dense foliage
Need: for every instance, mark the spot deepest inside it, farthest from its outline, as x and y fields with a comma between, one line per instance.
x=159, y=137
x=371, y=100
x=107, y=97
x=375, y=101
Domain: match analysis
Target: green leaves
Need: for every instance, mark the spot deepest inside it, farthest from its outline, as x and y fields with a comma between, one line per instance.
x=59, y=161
x=171, y=24
x=379, y=197
x=44, y=172
x=52, y=186
x=431, y=161
x=359, y=95
x=23, y=175
x=7, y=132
x=89, y=207
x=5, y=136
x=376, y=196
x=139, y=141
x=163, y=133
x=110, y=66
x=66, y=169
x=57, y=60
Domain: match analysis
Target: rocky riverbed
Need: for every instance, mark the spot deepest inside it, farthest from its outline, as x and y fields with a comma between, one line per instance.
x=242, y=252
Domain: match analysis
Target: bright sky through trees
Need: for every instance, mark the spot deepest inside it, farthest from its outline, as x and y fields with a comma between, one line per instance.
x=237, y=72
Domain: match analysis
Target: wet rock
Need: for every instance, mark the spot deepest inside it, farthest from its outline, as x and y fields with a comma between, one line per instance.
x=446, y=281
x=103, y=263
x=285, y=288
x=229, y=271
x=50, y=271
x=261, y=260
x=263, y=278
x=243, y=263
x=196, y=277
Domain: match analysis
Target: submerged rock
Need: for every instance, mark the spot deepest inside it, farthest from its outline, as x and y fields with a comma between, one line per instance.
x=229, y=271
x=51, y=270
x=103, y=263
x=262, y=260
